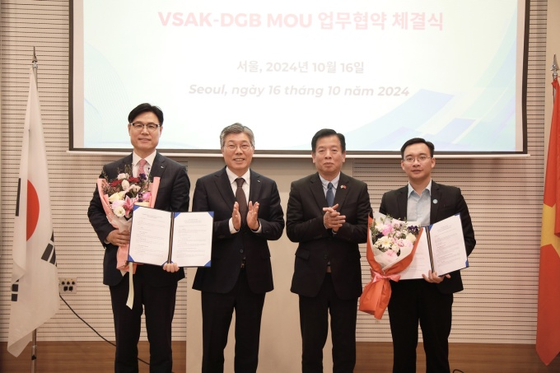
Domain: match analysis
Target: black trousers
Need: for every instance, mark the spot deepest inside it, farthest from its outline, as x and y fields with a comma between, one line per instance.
x=314, y=329
x=159, y=305
x=217, y=311
x=413, y=302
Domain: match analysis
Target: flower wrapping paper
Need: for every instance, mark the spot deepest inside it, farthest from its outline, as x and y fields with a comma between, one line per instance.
x=384, y=267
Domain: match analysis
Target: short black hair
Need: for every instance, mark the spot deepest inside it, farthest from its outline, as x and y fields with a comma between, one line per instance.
x=143, y=108
x=418, y=140
x=325, y=132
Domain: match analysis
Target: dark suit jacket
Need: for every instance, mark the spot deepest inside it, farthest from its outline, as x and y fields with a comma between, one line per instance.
x=318, y=245
x=450, y=201
x=173, y=195
x=214, y=193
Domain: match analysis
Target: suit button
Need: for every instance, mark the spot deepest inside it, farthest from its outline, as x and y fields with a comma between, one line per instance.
x=241, y=251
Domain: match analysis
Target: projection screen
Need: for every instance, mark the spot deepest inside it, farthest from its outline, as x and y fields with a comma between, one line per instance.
x=380, y=72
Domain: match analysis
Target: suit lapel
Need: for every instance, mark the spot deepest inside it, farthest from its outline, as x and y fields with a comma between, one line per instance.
x=158, y=168
x=316, y=188
x=124, y=166
x=255, y=186
x=402, y=203
x=342, y=190
x=224, y=187
x=434, y=202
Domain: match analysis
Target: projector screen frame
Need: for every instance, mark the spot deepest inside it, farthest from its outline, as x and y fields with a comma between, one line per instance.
x=76, y=84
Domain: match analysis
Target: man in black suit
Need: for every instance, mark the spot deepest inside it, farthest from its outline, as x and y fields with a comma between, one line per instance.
x=429, y=300
x=327, y=274
x=154, y=287
x=247, y=213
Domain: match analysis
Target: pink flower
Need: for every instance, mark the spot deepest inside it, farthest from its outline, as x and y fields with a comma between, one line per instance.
x=128, y=205
x=145, y=197
x=387, y=229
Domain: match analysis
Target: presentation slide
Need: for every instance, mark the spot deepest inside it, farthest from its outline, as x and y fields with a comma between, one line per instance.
x=378, y=71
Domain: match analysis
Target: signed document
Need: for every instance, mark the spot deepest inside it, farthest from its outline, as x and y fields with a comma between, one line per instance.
x=441, y=249
x=158, y=237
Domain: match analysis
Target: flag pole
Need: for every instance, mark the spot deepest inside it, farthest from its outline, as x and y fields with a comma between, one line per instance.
x=548, y=324
x=35, y=66
x=554, y=70
x=35, y=294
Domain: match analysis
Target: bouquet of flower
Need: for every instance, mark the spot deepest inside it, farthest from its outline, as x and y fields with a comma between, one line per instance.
x=392, y=240
x=119, y=196
x=390, y=248
x=126, y=191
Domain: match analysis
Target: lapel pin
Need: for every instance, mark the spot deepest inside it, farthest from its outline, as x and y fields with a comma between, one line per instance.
x=343, y=187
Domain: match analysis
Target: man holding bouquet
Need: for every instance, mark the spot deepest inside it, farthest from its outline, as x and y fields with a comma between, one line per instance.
x=155, y=287
x=428, y=300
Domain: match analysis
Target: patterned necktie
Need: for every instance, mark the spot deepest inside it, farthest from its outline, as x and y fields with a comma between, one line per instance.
x=330, y=195
x=141, y=165
x=241, y=199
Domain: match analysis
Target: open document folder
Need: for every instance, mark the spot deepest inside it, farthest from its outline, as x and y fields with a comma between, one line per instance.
x=441, y=249
x=158, y=237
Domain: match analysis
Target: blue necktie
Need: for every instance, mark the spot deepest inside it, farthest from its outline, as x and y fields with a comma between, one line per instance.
x=330, y=195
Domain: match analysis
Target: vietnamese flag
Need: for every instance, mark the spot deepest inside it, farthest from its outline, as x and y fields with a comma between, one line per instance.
x=34, y=295
x=548, y=316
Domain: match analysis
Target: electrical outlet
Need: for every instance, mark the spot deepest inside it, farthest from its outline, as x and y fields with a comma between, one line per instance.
x=67, y=285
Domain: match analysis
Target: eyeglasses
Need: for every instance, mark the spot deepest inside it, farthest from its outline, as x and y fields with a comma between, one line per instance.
x=233, y=147
x=140, y=126
x=421, y=159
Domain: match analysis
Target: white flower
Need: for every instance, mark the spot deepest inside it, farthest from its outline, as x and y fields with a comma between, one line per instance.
x=119, y=211
x=385, y=241
x=125, y=184
x=410, y=237
x=117, y=196
x=122, y=176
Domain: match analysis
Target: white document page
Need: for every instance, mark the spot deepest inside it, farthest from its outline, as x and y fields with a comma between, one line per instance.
x=149, y=236
x=448, y=250
x=448, y=245
x=420, y=262
x=192, y=239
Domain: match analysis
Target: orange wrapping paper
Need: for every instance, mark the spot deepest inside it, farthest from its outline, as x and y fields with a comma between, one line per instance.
x=377, y=293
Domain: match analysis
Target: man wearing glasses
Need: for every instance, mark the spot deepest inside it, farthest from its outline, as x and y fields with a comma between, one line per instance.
x=247, y=214
x=428, y=300
x=154, y=286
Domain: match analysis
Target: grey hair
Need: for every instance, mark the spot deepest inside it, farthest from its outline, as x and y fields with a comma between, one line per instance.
x=235, y=129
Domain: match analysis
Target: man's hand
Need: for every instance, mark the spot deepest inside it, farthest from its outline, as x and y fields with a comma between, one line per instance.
x=170, y=267
x=236, y=216
x=253, y=215
x=118, y=238
x=433, y=277
x=332, y=218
